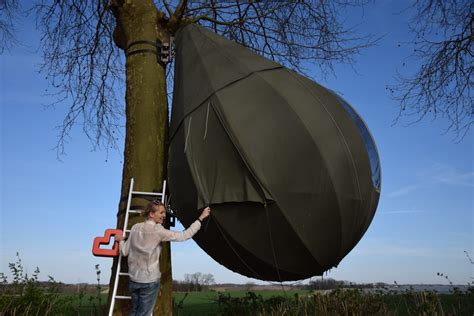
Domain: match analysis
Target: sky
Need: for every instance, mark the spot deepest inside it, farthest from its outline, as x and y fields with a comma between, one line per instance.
x=52, y=209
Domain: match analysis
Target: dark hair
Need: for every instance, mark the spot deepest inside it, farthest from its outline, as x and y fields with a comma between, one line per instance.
x=151, y=207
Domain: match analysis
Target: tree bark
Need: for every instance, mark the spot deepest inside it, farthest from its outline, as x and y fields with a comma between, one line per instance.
x=146, y=129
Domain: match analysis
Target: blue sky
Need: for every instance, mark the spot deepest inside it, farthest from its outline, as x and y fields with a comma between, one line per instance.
x=51, y=210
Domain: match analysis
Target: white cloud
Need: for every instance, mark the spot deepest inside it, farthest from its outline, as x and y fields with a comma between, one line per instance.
x=441, y=175
x=402, y=212
x=399, y=250
x=455, y=178
x=405, y=190
x=396, y=250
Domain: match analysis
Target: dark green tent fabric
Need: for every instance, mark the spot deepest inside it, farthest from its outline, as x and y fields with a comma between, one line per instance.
x=289, y=168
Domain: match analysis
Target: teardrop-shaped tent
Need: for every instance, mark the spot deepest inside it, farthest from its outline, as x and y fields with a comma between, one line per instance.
x=289, y=168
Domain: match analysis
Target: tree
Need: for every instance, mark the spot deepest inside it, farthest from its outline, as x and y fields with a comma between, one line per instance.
x=197, y=281
x=325, y=284
x=249, y=286
x=193, y=280
x=442, y=84
x=8, y=14
x=208, y=279
x=82, y=45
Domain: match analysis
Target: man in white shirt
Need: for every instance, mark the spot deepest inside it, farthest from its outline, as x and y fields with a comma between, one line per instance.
x=143, y=247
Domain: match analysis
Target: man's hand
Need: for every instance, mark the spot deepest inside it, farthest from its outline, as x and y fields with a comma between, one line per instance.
x=119, y=238
x=205, y=213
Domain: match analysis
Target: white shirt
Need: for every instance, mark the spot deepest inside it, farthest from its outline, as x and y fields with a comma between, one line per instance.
x=143, y=248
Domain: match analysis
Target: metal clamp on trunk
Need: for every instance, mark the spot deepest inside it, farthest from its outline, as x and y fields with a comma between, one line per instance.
x=163, y=51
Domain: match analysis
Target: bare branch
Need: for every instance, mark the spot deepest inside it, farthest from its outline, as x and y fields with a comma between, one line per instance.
x=9, y=10
x=180, y=9
x=168, y=8
x=82, y=63
x=441, y=87
x=288, y=32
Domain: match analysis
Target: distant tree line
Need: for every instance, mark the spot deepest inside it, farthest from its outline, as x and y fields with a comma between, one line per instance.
x=330, y=284
x=194, y=282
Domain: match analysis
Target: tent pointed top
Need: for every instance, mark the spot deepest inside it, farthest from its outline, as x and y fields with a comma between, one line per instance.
x=201, y=55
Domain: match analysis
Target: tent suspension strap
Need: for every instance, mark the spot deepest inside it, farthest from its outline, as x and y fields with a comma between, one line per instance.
x=141, y=43
x=153, y=50
x=163, y=51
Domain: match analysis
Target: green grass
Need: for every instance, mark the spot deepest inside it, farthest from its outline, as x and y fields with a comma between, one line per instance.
x=205, y=303
x=196, y=303
x=87, y=299
x=450, y=304
x=25, y=295
x=296, y=302
x=351, y=302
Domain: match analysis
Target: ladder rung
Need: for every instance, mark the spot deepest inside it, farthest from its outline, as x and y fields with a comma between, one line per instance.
x=124, y=273
x=127, y=231
x=147, y=193
x=121, y=297
x=135, y=211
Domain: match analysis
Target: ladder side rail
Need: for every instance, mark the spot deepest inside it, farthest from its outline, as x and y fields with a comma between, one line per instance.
x=114, y=294
x=163, y=194
x=129, y=203
x=117, y=273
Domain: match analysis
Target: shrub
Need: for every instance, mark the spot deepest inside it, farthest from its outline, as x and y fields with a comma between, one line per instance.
x=27, y=296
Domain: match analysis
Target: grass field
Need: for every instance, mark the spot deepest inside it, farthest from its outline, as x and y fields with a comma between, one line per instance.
x=206, y=303
x=351, y=302
x=192, y=303
x=294, y=302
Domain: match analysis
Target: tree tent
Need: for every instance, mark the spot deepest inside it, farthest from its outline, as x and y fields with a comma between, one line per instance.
x=288, y=167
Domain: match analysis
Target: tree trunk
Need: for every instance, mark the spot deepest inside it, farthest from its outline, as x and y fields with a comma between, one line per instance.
x=146, y=129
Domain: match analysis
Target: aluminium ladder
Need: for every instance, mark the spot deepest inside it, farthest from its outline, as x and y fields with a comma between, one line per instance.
x=128, y=211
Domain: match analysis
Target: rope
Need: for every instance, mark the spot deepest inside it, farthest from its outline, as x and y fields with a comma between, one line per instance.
x=207, y=118
x=207, y=224
x=187, y=134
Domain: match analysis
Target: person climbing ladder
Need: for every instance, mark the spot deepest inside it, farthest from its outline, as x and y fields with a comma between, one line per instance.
x=142, y=247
